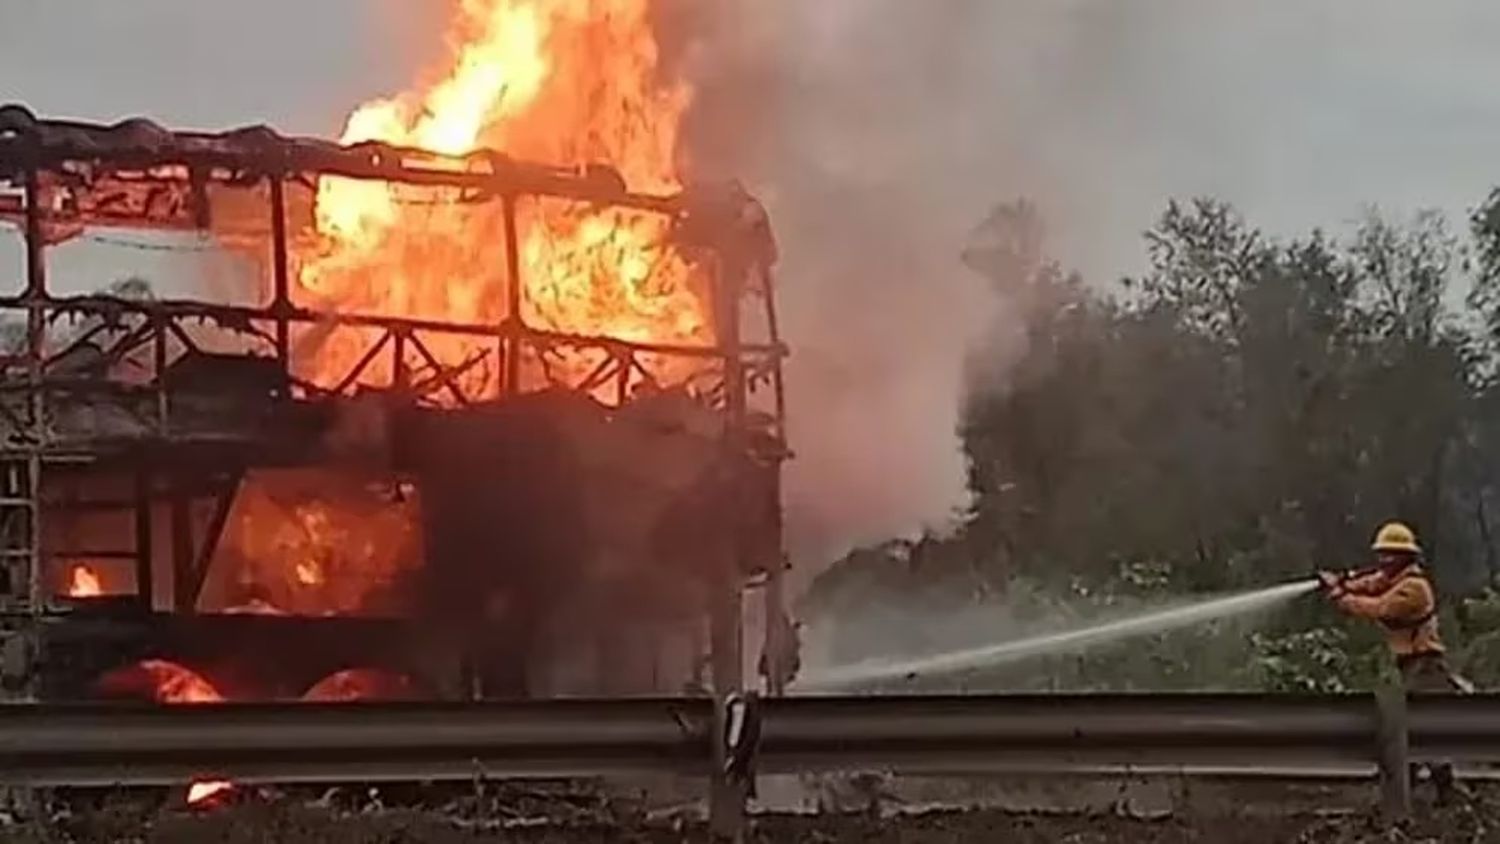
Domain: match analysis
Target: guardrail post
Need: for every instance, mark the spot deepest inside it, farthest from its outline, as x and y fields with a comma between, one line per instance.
x=727, y=792
x=1395, y=772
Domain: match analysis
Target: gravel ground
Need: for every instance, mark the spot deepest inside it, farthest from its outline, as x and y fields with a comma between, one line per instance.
x=294, y=822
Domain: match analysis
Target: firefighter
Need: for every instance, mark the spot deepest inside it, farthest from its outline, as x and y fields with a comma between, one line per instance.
x=1398, y=596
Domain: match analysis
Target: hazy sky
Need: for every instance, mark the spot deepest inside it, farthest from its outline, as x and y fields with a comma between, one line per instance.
x=1299, y=110
x=296, y=65
x=888, y=128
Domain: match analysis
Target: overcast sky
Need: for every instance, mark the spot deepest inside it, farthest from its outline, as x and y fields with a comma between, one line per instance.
x=1298, y=111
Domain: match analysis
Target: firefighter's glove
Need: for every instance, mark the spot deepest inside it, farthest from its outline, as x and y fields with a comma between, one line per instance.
x=1332, y=585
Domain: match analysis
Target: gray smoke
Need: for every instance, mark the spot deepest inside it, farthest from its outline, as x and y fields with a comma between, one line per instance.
x=880, y=131
x=818, y=107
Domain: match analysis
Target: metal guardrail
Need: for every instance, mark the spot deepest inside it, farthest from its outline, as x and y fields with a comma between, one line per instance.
x=50, y=744
x=1461, y=728
x=926, y=734
x=92, y=745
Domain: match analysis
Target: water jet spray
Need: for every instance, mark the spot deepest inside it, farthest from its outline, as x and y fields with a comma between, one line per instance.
x=1003, y=653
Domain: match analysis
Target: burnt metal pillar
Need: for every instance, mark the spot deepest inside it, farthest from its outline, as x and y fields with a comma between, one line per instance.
x=781, y=644
x=776, y=647
x=36, y=350
x=512, y=327
x=159, y=365
x=281, y=297
x=20, y=499
x=145, y=587
x=728, y=793
x=400, y=376
x=180, y=523
x=36, y=266
x=20, y=479
x=36, y=245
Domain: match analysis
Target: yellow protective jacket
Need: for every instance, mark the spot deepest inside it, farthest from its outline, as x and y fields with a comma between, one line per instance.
x=1402, y=602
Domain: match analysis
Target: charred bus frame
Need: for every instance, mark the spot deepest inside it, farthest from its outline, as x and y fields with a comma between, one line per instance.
x=58, y=178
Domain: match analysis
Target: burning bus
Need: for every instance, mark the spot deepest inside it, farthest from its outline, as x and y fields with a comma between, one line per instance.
x=479, y=427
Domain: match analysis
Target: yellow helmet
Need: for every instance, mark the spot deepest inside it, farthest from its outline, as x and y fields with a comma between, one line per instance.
x=1396, y=536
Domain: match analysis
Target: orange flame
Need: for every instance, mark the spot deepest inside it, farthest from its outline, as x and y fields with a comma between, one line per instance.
x=309, y=573
x=309, y=542
x=566, y=82
x=83, y=582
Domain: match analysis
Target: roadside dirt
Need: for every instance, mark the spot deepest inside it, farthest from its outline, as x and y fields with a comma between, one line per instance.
x=291, y=823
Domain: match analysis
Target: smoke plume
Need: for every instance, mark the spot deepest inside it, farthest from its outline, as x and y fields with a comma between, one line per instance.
x=819, y=108
x=879, y=132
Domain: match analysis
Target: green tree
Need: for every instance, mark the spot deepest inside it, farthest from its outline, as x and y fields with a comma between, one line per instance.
x=1244, y=411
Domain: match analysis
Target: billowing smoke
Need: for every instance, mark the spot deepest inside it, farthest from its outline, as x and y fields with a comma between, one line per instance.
x=820, y=108
x=881, y=131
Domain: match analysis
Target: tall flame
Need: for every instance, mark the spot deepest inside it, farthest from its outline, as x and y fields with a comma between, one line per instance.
x=564, y=82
